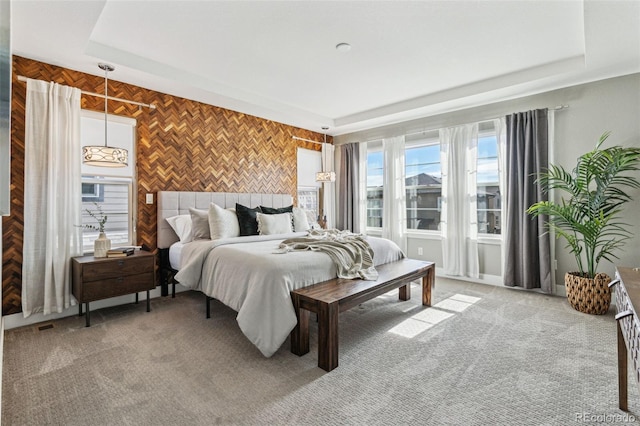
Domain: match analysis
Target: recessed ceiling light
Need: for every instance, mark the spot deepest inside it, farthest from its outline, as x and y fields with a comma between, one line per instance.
x=343, y=47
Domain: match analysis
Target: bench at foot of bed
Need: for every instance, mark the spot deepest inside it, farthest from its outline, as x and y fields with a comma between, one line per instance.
x=328, y=298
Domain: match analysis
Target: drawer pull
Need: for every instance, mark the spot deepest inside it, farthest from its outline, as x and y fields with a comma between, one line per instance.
x=614, y=282
x=120, y=262
x=623, y=314
x=120, y=279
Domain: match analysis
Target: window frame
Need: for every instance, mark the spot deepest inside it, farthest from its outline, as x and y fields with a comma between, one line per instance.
x=110, y=178
x=485, y=236
x=373, y=147
x=428, y=140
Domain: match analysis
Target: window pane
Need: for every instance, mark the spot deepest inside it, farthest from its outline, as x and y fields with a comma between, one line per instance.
x=423, y=187
x=308, y=200
x=115, y=206
x=375, y=190
x=488, y=186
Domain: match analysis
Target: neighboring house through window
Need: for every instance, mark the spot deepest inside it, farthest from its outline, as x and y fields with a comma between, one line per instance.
x=423, y=181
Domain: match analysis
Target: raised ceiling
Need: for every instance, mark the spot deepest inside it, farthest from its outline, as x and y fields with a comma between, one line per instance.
x=278, y=60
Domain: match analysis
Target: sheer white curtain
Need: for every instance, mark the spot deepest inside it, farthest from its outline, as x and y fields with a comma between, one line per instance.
x=329, y=188
x=394, y=206
x=52, y=196
x=459, y=216
x=362, y=188
x=500, y=125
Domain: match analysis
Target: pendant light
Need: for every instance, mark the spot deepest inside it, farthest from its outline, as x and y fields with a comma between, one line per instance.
x=103, y=155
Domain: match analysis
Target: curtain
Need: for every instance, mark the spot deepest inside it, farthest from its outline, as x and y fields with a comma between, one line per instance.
x=394, y=206
x=52, y=196
x=500, y=125
x=527, y=245
x=362, y=188
x=328, y=188
x=348, y=188
x=459, y=215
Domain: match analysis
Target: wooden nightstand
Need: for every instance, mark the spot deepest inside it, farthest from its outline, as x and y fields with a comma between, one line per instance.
x=105, y=277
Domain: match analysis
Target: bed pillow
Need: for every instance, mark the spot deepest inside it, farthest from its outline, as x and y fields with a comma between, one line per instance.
x=300, y=222
x=269, y=224
x=272, y=210
x=200, y=224
x=247, y=220
x=181, y=225
x=223, y=223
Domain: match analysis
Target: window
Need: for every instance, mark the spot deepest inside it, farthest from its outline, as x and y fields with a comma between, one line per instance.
x=308, y=199
x=375, y=193
x=309, y=162
x=488, y=184
x=111, y=188
x=423, y=181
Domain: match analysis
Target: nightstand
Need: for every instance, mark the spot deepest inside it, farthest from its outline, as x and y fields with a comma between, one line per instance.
x=101, y=278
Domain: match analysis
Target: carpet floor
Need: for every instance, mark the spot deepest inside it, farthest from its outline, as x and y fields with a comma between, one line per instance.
x=482, y=355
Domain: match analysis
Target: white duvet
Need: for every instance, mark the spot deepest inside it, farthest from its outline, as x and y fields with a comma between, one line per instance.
x=246, y=274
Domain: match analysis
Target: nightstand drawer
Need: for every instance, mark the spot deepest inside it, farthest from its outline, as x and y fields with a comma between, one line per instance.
x=112, y=287
x=116, y=268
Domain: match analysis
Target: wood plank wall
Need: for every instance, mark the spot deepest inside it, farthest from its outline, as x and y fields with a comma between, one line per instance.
x=183, y=145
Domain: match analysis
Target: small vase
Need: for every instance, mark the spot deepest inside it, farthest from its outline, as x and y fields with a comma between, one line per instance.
x=101, y=246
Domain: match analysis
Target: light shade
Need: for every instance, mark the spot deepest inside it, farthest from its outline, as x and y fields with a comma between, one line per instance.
x=326, y=177
x=104, y=156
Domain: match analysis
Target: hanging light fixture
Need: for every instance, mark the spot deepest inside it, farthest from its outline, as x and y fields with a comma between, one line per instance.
x=325, y=176
x=103, y=155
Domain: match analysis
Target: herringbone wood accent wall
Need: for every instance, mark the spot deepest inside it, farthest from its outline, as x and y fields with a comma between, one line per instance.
x=183, y=145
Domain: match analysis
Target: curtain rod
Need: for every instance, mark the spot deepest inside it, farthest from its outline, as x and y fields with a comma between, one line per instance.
x=555, y=108
x=306, y=140
x=111, y=98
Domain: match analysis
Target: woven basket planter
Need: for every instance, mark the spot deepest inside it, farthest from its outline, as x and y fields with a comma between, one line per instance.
x=588, y=295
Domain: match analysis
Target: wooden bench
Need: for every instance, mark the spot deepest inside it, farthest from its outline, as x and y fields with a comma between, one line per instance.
x=328, y=298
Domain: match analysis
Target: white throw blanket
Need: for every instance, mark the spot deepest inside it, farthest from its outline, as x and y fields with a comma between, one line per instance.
x=351, y=253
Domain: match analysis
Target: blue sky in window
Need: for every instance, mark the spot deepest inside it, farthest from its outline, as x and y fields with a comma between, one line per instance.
x=427, y=160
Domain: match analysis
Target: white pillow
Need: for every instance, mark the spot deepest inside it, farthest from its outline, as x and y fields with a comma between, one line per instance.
x=223, y=223
x=269, y=224
x=181, y=225
x=200, y=224
x=300, y=222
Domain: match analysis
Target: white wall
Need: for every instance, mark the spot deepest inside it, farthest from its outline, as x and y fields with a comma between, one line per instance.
x=612, y=104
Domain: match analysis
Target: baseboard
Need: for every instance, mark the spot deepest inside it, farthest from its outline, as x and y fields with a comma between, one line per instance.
x=18, y=320
x=495, y=280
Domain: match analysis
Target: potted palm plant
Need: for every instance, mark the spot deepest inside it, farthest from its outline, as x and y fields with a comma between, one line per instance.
x=589, y=219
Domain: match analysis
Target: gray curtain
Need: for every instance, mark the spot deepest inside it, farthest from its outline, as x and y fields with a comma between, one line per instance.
x=348, y=215
x=527, y=245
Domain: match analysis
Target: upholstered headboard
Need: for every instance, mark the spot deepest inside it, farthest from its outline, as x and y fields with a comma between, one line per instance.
x=171, y=203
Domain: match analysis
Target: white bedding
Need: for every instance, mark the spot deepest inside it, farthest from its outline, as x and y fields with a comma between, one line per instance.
x=247, y=275
x=175, y=255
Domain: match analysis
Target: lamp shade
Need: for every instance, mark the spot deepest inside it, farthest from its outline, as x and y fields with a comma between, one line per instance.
x=104, y=156
x=325, y=177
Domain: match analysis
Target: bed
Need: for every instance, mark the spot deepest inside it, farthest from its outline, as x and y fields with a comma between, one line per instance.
x=246, y=273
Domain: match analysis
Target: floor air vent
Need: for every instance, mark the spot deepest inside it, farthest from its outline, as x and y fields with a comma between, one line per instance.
x=45, y=327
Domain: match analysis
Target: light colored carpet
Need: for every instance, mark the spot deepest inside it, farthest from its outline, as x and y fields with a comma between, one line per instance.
x=509, y=358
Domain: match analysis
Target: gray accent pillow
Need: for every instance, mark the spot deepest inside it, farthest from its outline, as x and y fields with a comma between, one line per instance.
x=200, y=224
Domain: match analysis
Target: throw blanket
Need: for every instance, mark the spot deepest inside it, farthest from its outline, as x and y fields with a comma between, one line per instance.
x=351, y=253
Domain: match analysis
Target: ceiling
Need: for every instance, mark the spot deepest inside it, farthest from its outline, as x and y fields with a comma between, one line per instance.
x=278, y=60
